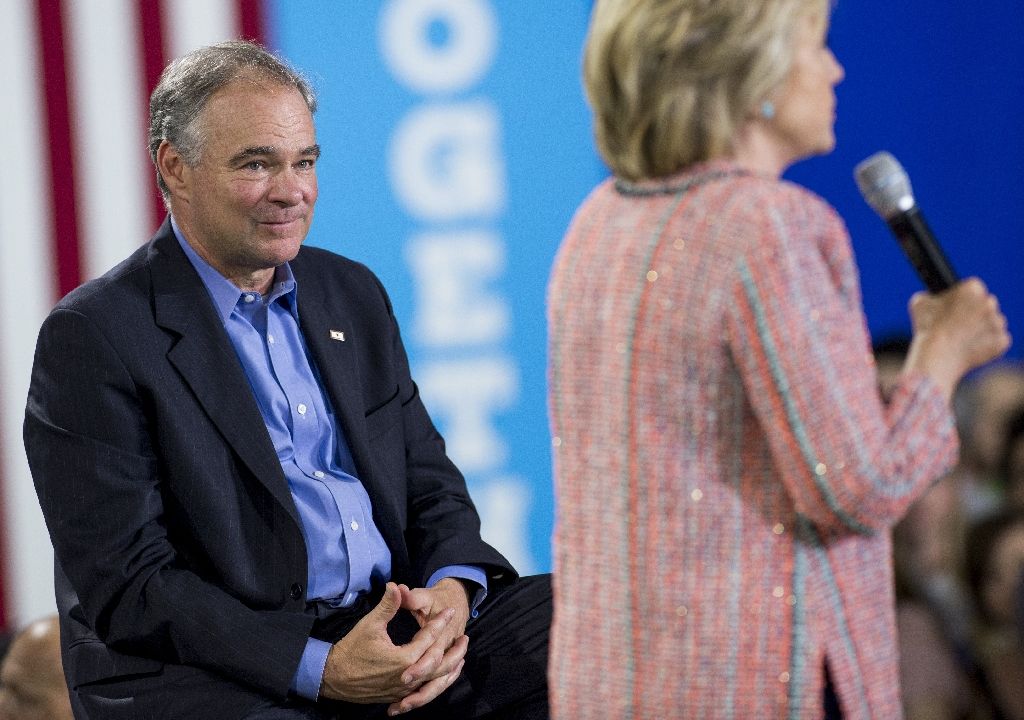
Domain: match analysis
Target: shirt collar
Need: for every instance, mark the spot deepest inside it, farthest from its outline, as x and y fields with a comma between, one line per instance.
x=225, y=294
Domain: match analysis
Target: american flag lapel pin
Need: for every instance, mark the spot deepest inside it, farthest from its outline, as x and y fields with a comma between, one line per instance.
x=337, y=335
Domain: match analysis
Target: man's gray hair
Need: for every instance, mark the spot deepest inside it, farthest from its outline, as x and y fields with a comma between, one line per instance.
x=188, y=83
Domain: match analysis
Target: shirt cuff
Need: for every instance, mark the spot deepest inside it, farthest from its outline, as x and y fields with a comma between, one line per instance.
x=470, y=573
x=310, y=673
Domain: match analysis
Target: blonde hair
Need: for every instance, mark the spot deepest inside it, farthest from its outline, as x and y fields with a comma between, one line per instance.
x=670, y=82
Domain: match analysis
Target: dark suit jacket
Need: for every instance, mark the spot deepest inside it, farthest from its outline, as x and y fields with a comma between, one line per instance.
x=179, y=550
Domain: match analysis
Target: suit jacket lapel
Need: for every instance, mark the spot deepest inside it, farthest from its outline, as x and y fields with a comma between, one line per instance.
x=207, y=361
x=321, y=318
x=327, y=330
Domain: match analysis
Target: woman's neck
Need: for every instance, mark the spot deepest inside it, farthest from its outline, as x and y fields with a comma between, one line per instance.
x=755, y=150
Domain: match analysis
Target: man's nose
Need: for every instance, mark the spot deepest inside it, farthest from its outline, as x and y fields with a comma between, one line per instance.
x=287, y=187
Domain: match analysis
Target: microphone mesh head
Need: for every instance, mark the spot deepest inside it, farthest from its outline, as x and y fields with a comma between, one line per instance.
x=884, y=184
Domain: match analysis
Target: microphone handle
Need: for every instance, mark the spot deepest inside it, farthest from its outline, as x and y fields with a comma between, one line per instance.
x=919, y=245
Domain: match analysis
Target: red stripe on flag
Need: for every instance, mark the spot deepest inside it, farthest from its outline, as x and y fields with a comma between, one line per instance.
x=252, y=21
x=151, y=44
x=67, y=251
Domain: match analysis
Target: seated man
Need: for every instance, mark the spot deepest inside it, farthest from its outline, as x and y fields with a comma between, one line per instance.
x=252, y=514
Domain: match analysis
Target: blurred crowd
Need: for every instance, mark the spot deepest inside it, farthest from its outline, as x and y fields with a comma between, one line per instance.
x=32, y=685
x=959, y=559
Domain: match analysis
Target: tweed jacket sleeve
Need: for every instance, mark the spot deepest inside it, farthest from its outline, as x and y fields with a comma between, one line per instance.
x=798, y=338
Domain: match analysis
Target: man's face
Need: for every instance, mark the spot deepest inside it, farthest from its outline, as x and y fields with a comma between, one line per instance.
x=248, y=203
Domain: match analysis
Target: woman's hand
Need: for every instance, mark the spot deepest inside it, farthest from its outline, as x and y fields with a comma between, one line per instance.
x=954, y=332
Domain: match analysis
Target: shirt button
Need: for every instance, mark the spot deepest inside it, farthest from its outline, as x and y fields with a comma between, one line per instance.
x=301, y=408
x=295, y=592
x=270, y=338
x=249, y=297
x=318, y=474
x=354, y=525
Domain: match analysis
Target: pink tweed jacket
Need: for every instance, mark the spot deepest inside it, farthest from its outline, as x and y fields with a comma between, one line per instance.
x=725, y=473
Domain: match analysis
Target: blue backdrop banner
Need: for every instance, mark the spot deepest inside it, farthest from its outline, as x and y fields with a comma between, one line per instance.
x=457, y=145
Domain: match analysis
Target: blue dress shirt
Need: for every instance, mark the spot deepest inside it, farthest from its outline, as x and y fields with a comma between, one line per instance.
x=346, y=553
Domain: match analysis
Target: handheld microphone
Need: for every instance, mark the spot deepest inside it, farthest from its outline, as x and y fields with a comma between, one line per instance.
x=886, y=188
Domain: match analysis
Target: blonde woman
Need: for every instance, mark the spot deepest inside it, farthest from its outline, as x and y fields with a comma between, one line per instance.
x=726, y=473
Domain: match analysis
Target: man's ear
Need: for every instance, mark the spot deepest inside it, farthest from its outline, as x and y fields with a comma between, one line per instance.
x=173, y=169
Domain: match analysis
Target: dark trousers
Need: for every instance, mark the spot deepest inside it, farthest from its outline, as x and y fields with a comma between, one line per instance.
x=505, y=675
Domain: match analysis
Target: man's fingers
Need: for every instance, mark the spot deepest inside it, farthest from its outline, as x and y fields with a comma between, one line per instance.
x=419, y=602
x=423, y=695
x=426, y=692
x=426, y=649
x=429, y=633
x=436, y=661
x=454, y=656
x=415, y=598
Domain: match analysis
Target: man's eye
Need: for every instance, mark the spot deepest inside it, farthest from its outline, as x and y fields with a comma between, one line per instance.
x=306, y=164
x=254, y=165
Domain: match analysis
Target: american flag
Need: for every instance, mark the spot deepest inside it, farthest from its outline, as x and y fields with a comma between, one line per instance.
x=77, y=195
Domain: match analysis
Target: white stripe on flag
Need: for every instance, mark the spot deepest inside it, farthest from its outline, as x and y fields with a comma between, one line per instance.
x=194, y=23
x=26, y=293
x=112, y=177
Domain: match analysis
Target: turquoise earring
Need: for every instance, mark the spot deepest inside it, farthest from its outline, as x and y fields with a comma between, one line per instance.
x=767, y=109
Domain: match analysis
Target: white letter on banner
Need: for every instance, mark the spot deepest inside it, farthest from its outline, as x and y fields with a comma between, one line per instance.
x=504, y=505
x=451, y=272
x=468, y=394
x=446, y=162
x=461, y=51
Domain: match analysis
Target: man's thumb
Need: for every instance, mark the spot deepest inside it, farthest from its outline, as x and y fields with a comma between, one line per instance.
x=388, y=606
